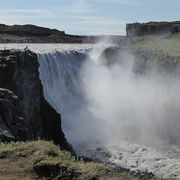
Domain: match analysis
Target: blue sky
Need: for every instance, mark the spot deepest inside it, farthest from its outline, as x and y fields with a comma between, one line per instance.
x=87, y=16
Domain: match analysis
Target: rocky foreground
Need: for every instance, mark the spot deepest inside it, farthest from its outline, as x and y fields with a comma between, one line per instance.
x=44, y=160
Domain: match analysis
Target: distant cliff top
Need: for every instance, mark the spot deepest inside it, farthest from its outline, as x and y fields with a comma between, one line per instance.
x=151, y=28
x=34, y=34
x=29, y=30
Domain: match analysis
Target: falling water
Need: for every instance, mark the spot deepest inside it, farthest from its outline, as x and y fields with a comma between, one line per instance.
x=110, y=113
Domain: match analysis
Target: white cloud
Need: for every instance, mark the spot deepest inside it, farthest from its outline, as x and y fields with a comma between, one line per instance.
x=76, y=8
x=74, y=19
x=98, y=20
x=25, y=13
x=122, y=2
x=81, y=6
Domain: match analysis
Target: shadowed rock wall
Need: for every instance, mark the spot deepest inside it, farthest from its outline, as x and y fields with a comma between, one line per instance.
x=24, y=112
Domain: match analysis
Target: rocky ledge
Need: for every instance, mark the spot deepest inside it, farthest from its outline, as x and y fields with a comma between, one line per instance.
x=145, y=62
x=24, y=112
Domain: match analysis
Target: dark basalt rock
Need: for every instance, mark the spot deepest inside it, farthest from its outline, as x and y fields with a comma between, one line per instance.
x=24, y=112
x=55, y=171
x=12, y=126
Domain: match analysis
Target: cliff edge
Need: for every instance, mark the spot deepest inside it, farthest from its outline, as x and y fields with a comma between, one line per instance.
x=24, y=112
x=152, y=28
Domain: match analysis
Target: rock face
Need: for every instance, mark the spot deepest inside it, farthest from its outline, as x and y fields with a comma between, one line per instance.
x=24, y=112
x=11, y=124
x=150, y=28
x=145, y=61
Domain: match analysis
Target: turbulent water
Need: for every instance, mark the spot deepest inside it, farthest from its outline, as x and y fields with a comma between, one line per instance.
x=108, y=112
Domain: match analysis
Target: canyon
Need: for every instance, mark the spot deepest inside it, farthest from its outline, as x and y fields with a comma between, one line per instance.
x=97, y=101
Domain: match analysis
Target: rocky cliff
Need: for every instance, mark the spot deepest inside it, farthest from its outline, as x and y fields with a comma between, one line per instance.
x=144, y=61
x=151, y=28
x=24, y=112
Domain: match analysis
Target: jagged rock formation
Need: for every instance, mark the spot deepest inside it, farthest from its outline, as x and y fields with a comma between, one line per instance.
x=150, y=28
x=24, y=112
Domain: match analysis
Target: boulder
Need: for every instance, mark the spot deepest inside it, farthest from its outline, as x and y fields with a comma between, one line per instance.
x=12, y=126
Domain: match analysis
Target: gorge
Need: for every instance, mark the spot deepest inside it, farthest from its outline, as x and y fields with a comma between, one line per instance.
x=118, y=105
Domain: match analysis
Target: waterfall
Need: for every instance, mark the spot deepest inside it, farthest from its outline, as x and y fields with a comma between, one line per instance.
x=110, y=108
x=59, y=73
x=105, y=104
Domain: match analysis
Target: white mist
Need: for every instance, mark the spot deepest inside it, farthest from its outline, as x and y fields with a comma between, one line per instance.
x=110, y=106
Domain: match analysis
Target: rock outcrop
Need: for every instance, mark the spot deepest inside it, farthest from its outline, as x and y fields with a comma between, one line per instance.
x=11, y=124
x=24, y=112
x=144, y=61
x=151, y=28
